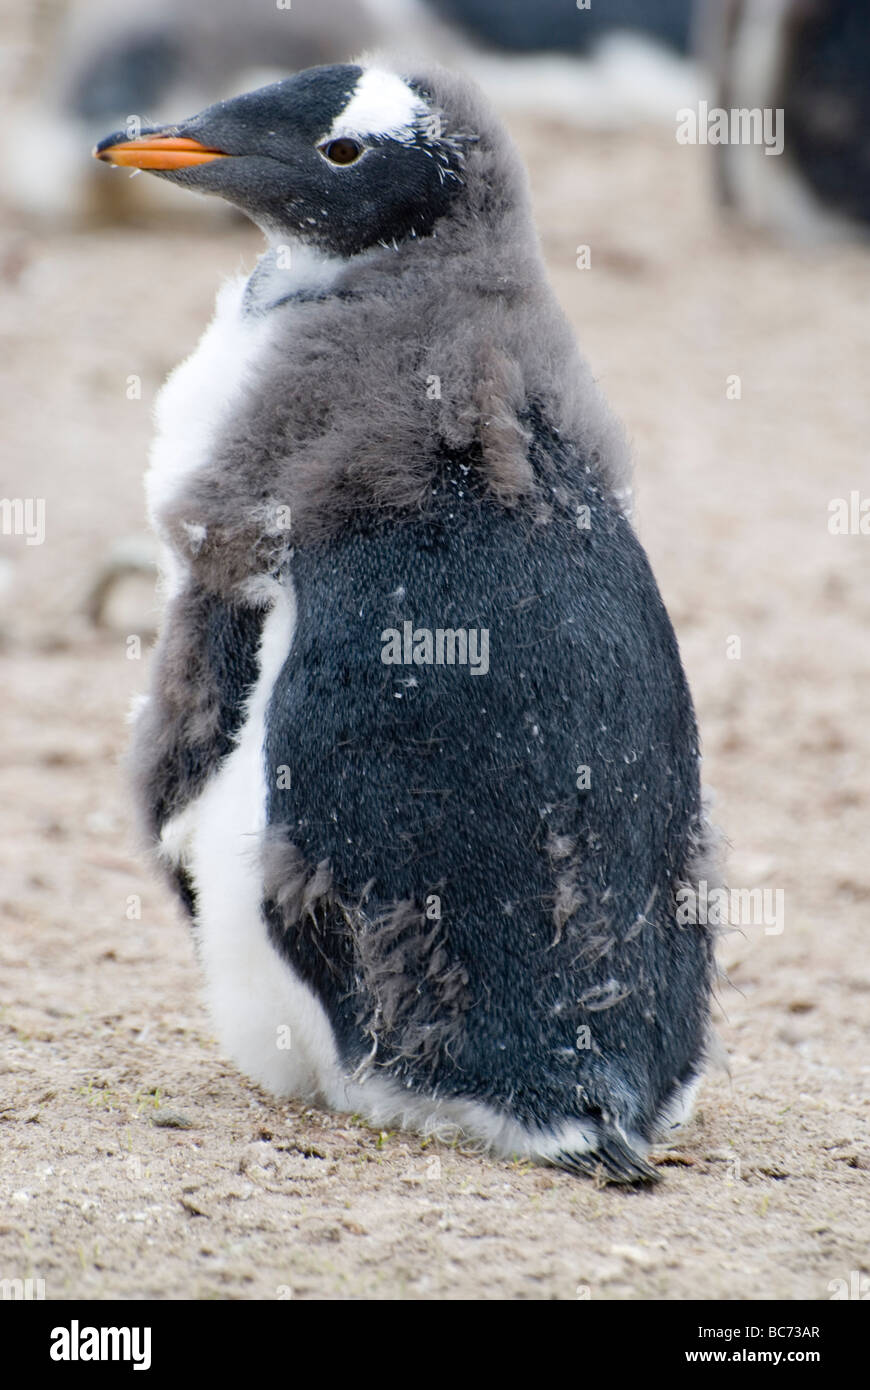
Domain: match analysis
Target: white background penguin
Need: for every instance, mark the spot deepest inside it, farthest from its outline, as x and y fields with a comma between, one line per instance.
x=452, y=893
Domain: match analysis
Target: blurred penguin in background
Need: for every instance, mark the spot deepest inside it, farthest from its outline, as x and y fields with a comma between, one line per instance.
x=113, y=64
x=608, y=66
x=809, y=60
x=572, y=28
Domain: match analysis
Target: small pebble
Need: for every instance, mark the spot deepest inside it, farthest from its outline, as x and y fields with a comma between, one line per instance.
x=170, y=1119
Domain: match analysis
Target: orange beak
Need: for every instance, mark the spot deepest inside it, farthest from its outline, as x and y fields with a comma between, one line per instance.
x=157, y=152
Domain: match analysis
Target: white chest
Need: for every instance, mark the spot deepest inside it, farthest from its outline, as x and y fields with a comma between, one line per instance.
x=201, y=396
x=196, y=401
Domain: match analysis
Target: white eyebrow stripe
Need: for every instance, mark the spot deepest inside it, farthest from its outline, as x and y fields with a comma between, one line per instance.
x=381, y=104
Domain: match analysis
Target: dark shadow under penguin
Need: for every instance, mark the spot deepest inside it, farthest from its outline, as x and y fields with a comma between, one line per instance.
x=419, y=752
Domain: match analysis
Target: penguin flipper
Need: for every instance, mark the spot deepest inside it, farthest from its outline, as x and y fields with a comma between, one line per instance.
x=613, y=1160
x=204, y=669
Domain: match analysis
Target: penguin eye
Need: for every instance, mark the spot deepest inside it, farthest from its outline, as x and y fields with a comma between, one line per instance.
x=342, y=151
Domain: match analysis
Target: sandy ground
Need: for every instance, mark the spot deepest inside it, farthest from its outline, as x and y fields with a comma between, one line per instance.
x=134, y=1162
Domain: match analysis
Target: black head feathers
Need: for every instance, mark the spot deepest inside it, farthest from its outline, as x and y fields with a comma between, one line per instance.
x=340, y=157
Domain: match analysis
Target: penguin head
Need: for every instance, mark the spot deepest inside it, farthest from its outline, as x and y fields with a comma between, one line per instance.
x=343, y=157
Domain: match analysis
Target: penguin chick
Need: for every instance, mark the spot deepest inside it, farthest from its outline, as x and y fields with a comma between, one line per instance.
x=419, y=753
